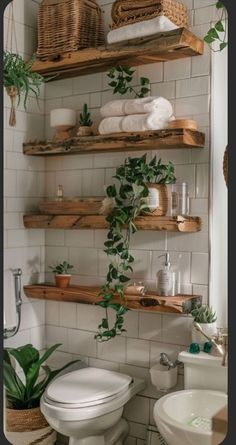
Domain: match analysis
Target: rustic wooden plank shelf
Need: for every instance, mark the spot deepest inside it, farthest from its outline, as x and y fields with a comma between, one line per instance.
x=164, y=223
x=180, y=304
x=147, y=140
x=161, y=47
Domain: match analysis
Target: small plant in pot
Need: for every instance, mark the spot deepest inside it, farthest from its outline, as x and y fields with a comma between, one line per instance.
x=62, y=275
x=24, y=421
x=125, y=201
x=206, y=318
x=85, y=122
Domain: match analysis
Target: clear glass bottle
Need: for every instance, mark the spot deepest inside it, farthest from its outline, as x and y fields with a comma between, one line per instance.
x=179, y=199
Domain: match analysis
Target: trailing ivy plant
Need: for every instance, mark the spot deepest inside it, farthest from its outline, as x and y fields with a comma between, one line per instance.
x=121, y=79
x=218, y=32
x=130, y=199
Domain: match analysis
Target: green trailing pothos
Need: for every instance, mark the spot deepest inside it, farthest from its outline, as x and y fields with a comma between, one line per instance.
x=121, y=78
x=129, y=200
x=218, y=32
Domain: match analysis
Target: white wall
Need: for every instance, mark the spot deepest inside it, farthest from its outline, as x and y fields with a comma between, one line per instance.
x=24, y=180
x=187, y=84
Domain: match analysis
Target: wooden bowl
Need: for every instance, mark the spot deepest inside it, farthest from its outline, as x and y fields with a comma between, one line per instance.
x=189, y=124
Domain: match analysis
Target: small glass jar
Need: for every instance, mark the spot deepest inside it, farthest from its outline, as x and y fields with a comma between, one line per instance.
x=179, y=199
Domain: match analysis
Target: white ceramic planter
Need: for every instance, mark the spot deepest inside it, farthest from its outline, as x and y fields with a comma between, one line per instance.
x=208, y=328
x=163, y=378
x=63, y=119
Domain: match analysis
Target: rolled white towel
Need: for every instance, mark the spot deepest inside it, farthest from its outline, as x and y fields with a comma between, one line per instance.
x=140, y=29
x=122, y=107
x=144, y=122
x=133, y=123
x=111, y=125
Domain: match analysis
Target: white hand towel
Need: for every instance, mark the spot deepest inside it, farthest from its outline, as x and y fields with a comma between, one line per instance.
x=9, y=300
x=124, y=107
x=111, y=125
x=140, y=29
x=133, y=123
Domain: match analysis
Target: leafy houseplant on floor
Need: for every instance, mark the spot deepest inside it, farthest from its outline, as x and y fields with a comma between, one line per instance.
x=24, y=421
x=206, y=318
x=85, y=122
x=62, y=277
x=19, y=80
x=124, y=202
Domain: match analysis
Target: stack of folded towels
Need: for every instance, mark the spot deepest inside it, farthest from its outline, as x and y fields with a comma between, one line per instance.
x=135, y=115
x=142, y=18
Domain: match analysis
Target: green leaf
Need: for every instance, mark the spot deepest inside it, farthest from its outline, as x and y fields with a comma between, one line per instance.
x=209, y=39
x=213, y=33
x=124, y=279
x=220, y=5
x=219, y=26
x=223, y=45
x=25, y=356
x=144, y=81
x=48, y=353
x=111, y=191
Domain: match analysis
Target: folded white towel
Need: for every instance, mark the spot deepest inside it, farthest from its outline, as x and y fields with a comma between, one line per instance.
x=133, y=123
x=140, y=29
x=122, y=107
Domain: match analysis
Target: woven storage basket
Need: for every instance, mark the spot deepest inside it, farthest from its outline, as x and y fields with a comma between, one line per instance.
x=25, y=420
x=127, y=12
x=68, y=25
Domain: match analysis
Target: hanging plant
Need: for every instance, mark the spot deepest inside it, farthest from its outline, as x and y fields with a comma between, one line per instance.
x=19, y=81
x=126, y=201
x=218, y=32
x=121, y=78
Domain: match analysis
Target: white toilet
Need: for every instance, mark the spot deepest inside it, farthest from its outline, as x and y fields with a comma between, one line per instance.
x=87, y=405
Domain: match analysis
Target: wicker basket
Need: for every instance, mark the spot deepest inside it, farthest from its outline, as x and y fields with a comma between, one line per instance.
x=127, y=12
x=25, y=420
x=68, y=25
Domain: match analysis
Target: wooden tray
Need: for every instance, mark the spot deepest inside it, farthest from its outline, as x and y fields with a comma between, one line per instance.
x=72, y=206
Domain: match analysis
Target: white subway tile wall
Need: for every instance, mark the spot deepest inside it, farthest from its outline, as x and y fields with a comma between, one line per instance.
x=186, y=83
x=24, y=184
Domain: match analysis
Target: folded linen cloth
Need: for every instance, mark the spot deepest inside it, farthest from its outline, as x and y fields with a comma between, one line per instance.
x=125, y=12
x=141, y=29
x=133, y=123
x=150, y=104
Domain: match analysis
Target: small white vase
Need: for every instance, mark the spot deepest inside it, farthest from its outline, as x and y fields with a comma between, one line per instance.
x=208, y=328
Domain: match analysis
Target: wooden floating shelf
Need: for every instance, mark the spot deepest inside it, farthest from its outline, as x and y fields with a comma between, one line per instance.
x=164, y=223
x=161, y=47
x=146, y=140
x=180, y=304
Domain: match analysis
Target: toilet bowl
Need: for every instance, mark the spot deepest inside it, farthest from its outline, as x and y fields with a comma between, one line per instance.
x=87, y=405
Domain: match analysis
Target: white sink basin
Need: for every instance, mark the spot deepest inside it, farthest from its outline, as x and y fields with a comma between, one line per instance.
x=185, y=417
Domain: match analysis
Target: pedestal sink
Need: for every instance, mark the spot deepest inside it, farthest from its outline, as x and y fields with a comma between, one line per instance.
x=185, y=417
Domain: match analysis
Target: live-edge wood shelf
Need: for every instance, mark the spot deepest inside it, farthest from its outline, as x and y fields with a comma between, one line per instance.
x=180, y=223
x=180, y=304
x=147, y=140
x=161, y=47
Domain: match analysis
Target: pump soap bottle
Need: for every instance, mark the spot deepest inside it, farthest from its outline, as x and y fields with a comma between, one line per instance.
x=166, y=278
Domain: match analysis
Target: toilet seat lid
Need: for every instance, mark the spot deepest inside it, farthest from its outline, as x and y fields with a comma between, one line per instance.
x=87, y=385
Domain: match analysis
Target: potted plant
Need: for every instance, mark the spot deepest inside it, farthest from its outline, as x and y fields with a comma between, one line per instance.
x=206, y=318
x=125, y=201
x=19, y=81
x=62, y=277
x=85, y=122
x=24, y=421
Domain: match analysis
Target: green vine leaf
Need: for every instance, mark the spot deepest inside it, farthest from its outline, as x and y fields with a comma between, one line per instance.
x=122, y=77
x=219, y=26
x=220, y=5
x=130, y=196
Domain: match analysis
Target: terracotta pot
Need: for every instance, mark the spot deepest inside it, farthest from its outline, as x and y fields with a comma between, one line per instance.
x=208, y=328
x=85, y=131
x=158, y=199
x=62, y=281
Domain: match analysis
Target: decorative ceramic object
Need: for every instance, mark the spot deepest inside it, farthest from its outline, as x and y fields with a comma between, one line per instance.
x=63, y=119
x=63, y=281
x=208, y=328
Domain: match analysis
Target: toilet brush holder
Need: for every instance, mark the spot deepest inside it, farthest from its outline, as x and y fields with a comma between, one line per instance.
x=163, y=378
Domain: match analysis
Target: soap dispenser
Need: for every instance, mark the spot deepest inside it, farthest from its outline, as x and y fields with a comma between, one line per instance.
x=166, y=278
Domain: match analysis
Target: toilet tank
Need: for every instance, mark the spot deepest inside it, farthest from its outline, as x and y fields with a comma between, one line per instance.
x=204, y=371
